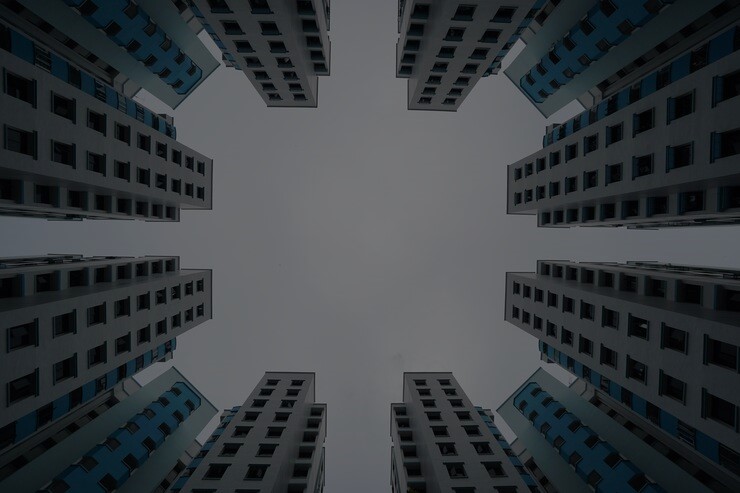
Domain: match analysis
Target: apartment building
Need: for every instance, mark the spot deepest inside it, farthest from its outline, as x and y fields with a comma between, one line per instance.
x=572, y=440
x=443, y=443
x=127, y=44
x=446, y=46
x=271, y=443
x=74, y=327
x=74, y=147
x=282, y=46
x=590, y=49
x=139, y=442
x=660, y=153
x=659, y=339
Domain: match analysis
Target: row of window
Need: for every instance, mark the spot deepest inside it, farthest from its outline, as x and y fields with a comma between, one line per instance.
x=684, y=291
x=28, y=385
x=686, y=203
x=723, y=86
x=25, y=89
x=12, y=191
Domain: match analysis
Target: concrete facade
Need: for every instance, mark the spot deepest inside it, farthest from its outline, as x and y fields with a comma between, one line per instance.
x=660, y=339
x=282, y=46
x=445, y=47
x=271, y=443
x=664, y=461
x=589, y=49
x=662, y=152
x=75, y=148
x=128, y=45
x=443, y=443
x=93, y=447
x=74, y=327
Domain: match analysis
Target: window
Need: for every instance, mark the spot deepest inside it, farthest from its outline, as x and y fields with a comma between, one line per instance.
x=256, y=471
x=642, y=166
x=472, y=430
x=25, y=386
x=96, y=315
x=241, y=431
x=266, y=449
x=123, y=344
x=494, y=469
x=64, y=324
x=447, y=449
x=590, y=144
x=229, y=449
x=63, y=107
x=96, y=121
x=587, y=310
x=720, y=353
x=143, y=335
x=21, y=88
x=24, y=335
x=232, y=28
x=490, y=36
x=67, y=368
x=274, y=432
x=455, y=34
x=680, y=106
x=725, y=87
x=440, y=431
x=456, y=470
x=122, y=308
x=608, y=357
x=636, y=370
x=96, y=355
x=672, y=387
x=21, y=141
x=718, y=409
x=216, y=471
x=464, y=13
x=679, y=156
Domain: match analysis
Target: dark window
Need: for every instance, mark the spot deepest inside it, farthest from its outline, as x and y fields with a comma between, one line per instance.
x=672, y=387
x=23, y=335
x=21, y=88
x=123, y=344
x=21, y=141
x=96, y=315
x=719, y=409
x=636, y=370
x=96, y=121
x=643, y=121
x=65, y=323
x=25, y=386
x=67, y=368
x=96, y=355
x=721, y=353
x=642, y=166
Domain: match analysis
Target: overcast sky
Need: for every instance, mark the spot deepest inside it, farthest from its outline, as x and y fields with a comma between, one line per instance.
x=360, y=240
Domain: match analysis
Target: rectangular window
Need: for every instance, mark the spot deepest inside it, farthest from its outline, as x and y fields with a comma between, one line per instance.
x=672, y=387
x=63, y=153
x=23, y=387
x=67, y=368
x=680, y=106
x=718, y=409
x=614, y=134
x=725, y=87
x=636, y=370
x=63, y=107
x=608, y=357
x=21, y=141
x=642, y=166
x=679, y=156
x=21, y=88
x=725, y=144
x=96, y=163
x=96, y=315
x=144, y=142
x=23, y=335
x=96, y=121
x=65, y=323
x=122, y=132
x=720, y=353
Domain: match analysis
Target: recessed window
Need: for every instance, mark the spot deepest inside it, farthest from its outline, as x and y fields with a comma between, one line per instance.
x=21, y=141
x=718, y=409
x=216, y=471
x=256, y=471
x=96, y=355
x=232, y=28
x=455, y=34
x=494, y=469
x=67, y=368
x=21, y=88
x=65, y=323
x=490, y=36
x=63, y=107
x=672, y=387
x=608, y=357
x=643, y=121
x=123, y=344
x=504, y=15
x=23, y=335
x=721, y=353
x=636, y=370
x=23, y=387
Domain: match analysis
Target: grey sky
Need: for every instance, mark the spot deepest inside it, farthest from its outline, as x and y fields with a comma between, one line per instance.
x=360, y=240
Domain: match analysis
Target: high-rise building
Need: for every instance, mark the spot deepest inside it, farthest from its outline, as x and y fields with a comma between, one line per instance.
x=572, y=439
x=75, y=147
x=659, y=151
x=281, y=45
x=139, y=440
x=660, y=340
x=272, y=442
x=74, y=327
x=445, y=47
x=442, y=443
x=128, y=45
x=590, y=49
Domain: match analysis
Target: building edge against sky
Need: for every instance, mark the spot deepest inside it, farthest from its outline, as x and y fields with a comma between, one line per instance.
x=56, y=355
x=282, y=46
x=138, y=442
x=658, y=339
x=567, y=466
x=272, y=442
